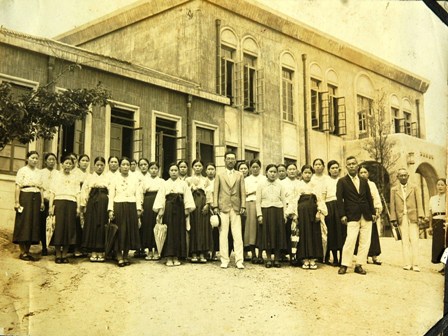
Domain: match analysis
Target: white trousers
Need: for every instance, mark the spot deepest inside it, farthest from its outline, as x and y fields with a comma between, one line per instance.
x=364, y=229
x=233, y=220
x=409, y=241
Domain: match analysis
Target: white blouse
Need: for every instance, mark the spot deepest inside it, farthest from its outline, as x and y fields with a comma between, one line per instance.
x=309, y=188
x=321, y=183
x=251, y=184
x=376, y=196
x=174, y=187
x=437, y=203
x=209, y=191
x=151, y=183
x=30, y=178
x=125, y=189
x=270, y=194
x=197, y=182
x=290, y=187
x=331, y=189
x=93, y=181
x=47, y=176
x=65, y=187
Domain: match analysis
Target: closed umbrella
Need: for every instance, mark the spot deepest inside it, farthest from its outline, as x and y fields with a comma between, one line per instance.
x=111, y=230
x=50, y=223
x=160, y=235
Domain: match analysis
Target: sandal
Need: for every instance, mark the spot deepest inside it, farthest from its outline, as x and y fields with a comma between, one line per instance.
x=277, y=264
x=313, y=266
x=121, y=263
x=203, y=260
x=269, y=264
x=194, y=260
x=93, y=259
x=127, y=262
x=156, y=257
x=260, y=261
x=169, y=263
x=100, y=259
x=176, y=263
x=306, y=266
x=149, y=257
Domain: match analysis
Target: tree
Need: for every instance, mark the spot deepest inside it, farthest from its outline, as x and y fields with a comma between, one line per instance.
x=379, y=145
x=39, y=114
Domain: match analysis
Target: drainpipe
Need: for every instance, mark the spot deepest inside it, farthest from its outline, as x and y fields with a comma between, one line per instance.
x=50, y=78
x=305, y=109
x=417, y=105
x=218, y=55
x=188, y=134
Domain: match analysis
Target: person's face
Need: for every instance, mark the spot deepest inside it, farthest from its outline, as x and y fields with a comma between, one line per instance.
x=291, y=172
x=363, y=173
x=255, y=169
x=403, y=177
x=318, y=167
x=125, y=166
x=352, y=166
x=50, y=162
x=84, y=163
x=271, y=174
x=183, y=169
x=153, y=170
x=244, y=170
x=32, y=160
x=306, y=175
x=441, y=187
x=75, y=160
x=113, y=164
x=99, y=167
x=211, y=172
x=133, y=166
x=197, y=168
x=334, y=170
x=143, y=165
x=230, y=161
x=174, y=172
x=67, y=166
x=281, y=172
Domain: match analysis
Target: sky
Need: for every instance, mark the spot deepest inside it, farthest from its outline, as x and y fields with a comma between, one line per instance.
x=404, y=33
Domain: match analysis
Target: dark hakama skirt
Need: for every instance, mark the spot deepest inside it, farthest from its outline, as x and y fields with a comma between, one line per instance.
x=271, y=234
x=26, y=224
x=337, y=232
x=250, y=227
x=174, y=217
x=95, y=219
x=201, y=239
x=438, y=240
x=310, y=242
x=65, y=227
x=128, y=236
x=148, y=221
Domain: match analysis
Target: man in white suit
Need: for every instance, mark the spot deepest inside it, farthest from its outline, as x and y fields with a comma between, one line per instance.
x=229, y=201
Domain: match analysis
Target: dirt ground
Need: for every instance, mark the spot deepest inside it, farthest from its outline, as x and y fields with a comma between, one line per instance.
x=148, y=298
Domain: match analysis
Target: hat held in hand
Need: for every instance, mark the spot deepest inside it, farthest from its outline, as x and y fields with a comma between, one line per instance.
x=215, y=221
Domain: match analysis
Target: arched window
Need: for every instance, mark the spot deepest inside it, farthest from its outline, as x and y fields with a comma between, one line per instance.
x=334, y=120
x=253, y=77
x=288, y=66
x=395, y=114
x=409, y=125
x=226, y=73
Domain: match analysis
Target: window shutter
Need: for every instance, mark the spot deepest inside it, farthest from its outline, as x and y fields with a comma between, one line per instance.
x=325, y=122
x=137, y=150
x=181, y=147
x=341, y=126
x=238, y=84
x=259, y=101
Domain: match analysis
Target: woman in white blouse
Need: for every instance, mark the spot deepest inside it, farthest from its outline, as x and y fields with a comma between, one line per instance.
x=125, y=207
x=271, y=205
x=29, y=202
x=114, y=165
x=47, y=175
x=308, y=208
x=437, y=222
x=250, y=230
x=151, y=183
x=173, y=203
x=210, y=171
x=94, y=200
x=65, y=199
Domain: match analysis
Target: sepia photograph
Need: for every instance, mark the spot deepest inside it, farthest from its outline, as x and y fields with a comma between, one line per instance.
x=226, y=167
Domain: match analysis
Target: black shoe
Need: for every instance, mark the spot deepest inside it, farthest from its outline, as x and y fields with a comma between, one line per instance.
x=269, y=264
x=277, y=264
x=44, y=253
x=360, y=270
x=342, y=270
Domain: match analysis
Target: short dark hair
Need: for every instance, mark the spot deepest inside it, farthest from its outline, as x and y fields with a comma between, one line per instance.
x=196, y=161
x=113, y=157
x=351, y=157
x=321, y=161
x=269, y=166
x=229, y=153
x=47, y=155
x=331, y=163
x=124, y=158
x=99, y=158
x=143, y=159
x=307, y=166
x=67, y=157
x=253, y=161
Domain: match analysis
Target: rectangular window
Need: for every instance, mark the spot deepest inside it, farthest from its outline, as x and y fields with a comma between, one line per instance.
x=287, y=95
x=333, y=109
x=407, y=123
x=204, y=145
x=316, y=103
x=227, y=73
x=13, y=155
x=249, y=82
x=166, y=144
x=396, y=121
x=250, y=155
x=364, y=111
x=122, y=132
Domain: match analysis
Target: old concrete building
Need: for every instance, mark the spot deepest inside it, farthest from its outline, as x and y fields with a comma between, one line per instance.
x=294, y=93
x=149, y=115
x=200, y=76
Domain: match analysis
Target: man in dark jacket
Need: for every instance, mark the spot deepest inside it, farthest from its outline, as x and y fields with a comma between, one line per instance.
x=356, y=208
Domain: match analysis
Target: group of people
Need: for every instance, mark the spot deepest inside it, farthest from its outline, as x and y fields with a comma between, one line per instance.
x=331, y=216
